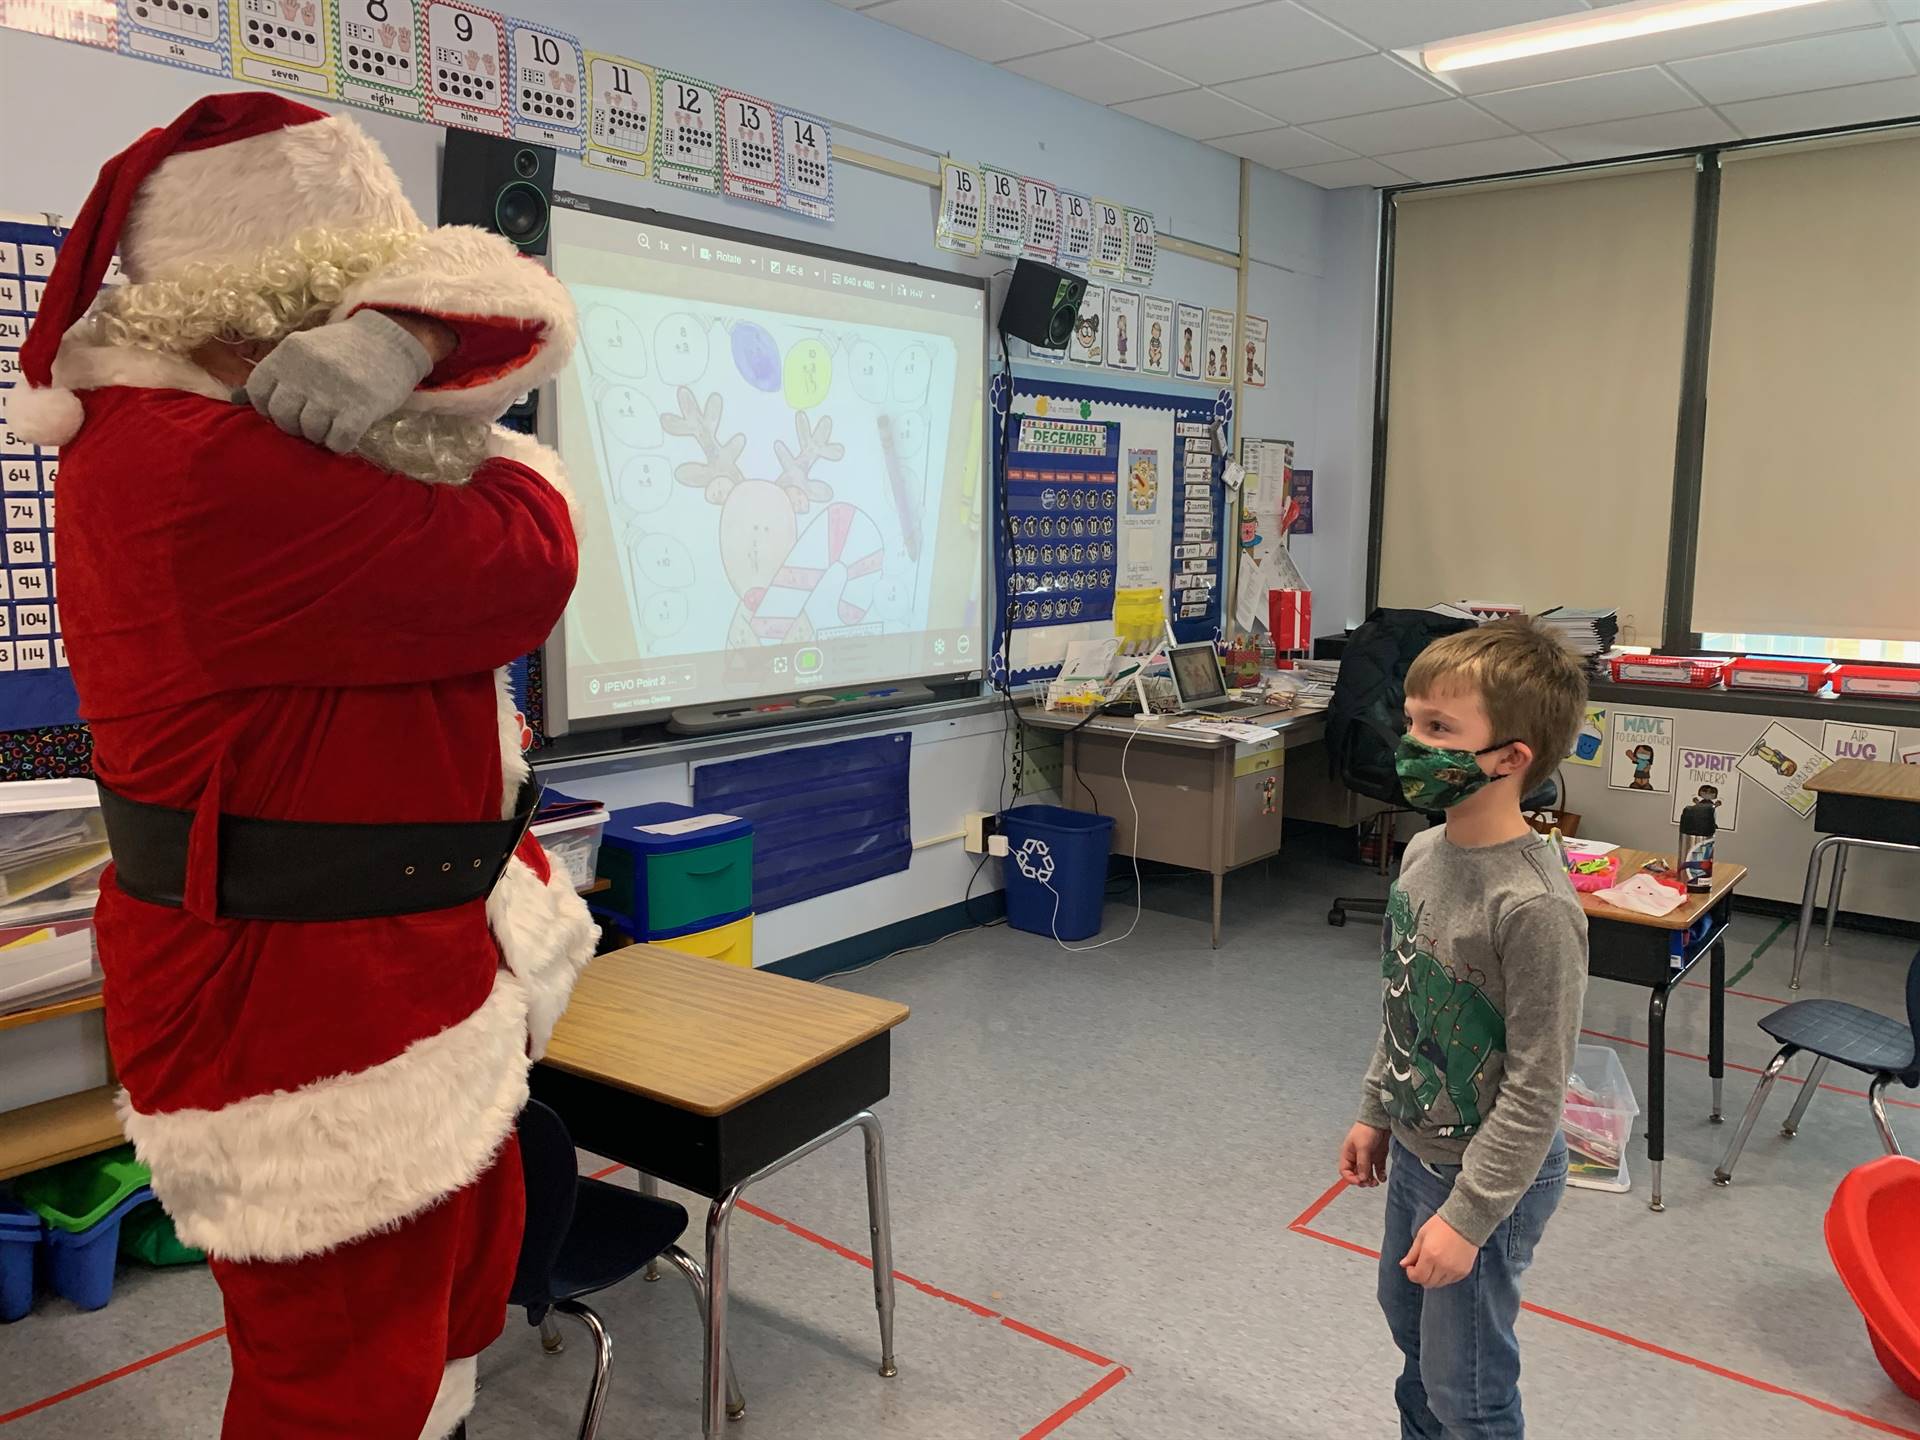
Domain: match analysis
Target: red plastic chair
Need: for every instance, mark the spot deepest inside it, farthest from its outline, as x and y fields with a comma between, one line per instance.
x=1875, y=1244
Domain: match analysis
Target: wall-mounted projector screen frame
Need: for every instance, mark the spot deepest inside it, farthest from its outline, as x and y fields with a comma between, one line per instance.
x=948, y=547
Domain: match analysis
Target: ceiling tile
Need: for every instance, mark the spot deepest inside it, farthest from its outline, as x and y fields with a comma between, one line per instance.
x=1904, y=9
x=1202, y=114
x=1344, y=87
x=1589, y=100
x=1259, y=40
x=1817, y=109
x=1417, y=127
x=1342, y=173
x=1820, y=63
x=856, y=4
x=1096, y=72
x=985, y=29
x=1398, y=24
x=1638, y=135
x=1100, y=18
x=1715, y=39
x=1482, y=157
x=1282, y=149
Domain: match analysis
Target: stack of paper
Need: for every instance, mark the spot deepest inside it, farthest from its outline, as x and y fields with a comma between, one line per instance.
x=53, y=849
x=1588, y=633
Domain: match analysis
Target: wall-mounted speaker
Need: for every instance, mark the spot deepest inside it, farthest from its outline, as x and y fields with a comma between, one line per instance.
x=1042, y=304
x=500, y=185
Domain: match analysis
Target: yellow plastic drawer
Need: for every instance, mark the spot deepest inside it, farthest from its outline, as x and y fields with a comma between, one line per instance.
x=730, y=944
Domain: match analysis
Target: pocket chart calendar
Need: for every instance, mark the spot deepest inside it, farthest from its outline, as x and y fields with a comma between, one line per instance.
x=36, y=688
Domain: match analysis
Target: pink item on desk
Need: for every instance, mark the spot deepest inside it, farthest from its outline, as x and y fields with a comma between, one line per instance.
x=1600, y=879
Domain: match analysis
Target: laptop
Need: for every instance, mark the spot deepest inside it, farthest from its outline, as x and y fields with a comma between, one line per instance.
x=1198, y=678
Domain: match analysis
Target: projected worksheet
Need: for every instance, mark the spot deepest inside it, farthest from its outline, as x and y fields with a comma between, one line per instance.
x=778, y=458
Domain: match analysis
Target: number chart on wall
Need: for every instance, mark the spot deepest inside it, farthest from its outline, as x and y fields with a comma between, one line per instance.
x=1112, y=493
x=36, y=688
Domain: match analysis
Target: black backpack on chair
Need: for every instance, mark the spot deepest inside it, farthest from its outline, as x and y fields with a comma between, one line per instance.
x=1367, y=715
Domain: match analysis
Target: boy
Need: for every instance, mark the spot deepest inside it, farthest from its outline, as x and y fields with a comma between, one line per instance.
x=1485, y=967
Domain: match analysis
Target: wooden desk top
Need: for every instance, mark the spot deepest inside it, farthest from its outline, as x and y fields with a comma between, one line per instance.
x=704, y=1036
x=1725, y=878
x=1876, y=778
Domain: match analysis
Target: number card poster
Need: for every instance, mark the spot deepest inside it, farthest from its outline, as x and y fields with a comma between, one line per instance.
x=1040, y=203
x=376, y=45
x=1708, y=777
x=1142, y=247
x=806, y=157
x=686, y=148
x=1781, y=762
x=750, y=167
x=190, y=36
x=285, y=43
x=1642, y=753
x=1076, y=231
x=1109, y=260
x=548, y=87
x=961, y=213
x=620, y=95
x=463, y=57
x=1004, y=226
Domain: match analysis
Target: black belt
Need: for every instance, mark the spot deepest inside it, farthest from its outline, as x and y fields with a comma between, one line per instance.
x=300, y=870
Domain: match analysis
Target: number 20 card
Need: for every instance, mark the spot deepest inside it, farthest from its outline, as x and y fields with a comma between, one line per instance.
x=462, y=65
x=548, y=91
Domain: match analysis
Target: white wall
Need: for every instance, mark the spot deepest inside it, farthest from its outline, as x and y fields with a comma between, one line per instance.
x=912, y=97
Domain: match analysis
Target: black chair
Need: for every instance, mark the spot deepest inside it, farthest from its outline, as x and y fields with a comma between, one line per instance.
x=1861, y=1039
x=584, y=1236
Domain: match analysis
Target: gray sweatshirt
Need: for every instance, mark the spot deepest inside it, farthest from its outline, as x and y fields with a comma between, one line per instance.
x=1484, y=969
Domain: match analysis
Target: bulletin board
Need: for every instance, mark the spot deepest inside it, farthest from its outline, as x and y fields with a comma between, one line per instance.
x=1109, y=487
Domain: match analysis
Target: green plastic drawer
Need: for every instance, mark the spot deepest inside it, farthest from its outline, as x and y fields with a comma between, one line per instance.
x=694, y=888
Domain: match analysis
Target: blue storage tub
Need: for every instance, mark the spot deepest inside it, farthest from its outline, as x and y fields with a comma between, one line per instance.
x=80, y=1264
x=1056, y=871
x=20, y=1234
x=674, y=870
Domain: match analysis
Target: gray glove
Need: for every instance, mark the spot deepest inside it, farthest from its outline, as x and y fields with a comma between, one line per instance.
x=331, y=383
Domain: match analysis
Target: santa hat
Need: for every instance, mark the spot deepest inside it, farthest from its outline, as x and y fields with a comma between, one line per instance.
x=233, y=177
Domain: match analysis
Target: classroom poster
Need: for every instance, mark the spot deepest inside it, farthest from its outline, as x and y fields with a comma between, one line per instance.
x=547, y=86
x=1300, y=490
x=1142, y=247
x=1642, y=753
x=1781, y=762
x=288, y=46
x=961, y=211
x=463, y=59
x=1143, y=481
x=1003, y=226
x=1190, y=338
x=686, y=147
x=1156, y=319
x=373, y=44
x=1709, y=777
x=1123, y=329
x=750, y=149
x=1219, y=345
x=95, y=25
x=1590, y=740
x=1040, y=204
x=1858, y=742
x=1910, y=755
x=1076, y=231
x=1255, y=373
x=191, y=39
x=1085, y=347
x=806, y=157
x=620, y=95
x=1109, y=260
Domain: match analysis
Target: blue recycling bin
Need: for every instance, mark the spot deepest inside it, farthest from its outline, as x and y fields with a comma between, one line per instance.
x=1056, y=871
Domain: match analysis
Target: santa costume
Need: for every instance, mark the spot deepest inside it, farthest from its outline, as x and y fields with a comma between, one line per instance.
x=271, y=641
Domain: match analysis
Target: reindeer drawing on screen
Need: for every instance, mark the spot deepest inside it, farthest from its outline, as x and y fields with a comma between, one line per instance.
x=794, y=581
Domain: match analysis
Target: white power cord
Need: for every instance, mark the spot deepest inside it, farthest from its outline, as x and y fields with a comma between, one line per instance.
x=1139, y=889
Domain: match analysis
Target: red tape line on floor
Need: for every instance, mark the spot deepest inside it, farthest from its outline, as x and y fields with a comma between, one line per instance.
x=1749, y=1069
x=1079, y=1402
x=112, y=1375
x=1301, y=1227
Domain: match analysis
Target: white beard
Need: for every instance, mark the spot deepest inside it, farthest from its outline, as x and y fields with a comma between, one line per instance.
x=445, y=449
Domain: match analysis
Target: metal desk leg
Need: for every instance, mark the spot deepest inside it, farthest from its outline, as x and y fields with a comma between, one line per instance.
x=1657, y=1089
x=1807, y=893
x=1717, y=1023
x=713, y=1397
x=649, y=1186
x=880, y=1233
x=1833, y=895
x=1218, y=878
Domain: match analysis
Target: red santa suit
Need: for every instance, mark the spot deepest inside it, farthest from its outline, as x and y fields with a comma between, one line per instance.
x=261, y=628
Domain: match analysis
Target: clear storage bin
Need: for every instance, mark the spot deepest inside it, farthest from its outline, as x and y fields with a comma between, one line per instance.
x=1598, y=1120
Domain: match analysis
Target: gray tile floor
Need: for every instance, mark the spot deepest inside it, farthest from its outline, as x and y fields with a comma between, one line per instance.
x=1111, y=1151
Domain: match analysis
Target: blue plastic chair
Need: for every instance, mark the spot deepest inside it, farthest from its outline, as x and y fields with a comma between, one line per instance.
x=1861, y=1039
x=584, y=1236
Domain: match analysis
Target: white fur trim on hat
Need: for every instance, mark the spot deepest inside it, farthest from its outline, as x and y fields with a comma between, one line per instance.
x=297, y=1172
x=233, y=202
x=454, y=1401
x=47, y=416
x=463, y=271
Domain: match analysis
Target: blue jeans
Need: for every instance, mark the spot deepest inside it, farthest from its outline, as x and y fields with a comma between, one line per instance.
x=1462, y=1376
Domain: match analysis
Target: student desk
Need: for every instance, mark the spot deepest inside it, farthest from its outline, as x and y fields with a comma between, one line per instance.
x=1206, y=802
x=1867, y=803
x=714, y=1077
x=1625, y=945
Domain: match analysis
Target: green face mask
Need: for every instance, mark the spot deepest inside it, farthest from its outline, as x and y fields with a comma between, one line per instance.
x=1435, y=779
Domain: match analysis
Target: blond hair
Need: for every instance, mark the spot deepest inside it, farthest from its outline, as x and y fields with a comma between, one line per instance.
x=1532, y=686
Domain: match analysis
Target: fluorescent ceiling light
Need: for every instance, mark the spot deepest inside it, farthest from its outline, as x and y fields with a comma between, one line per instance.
x=1595, y=27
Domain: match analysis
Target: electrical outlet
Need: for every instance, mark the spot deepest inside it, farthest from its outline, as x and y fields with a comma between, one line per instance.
x=981, y=826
